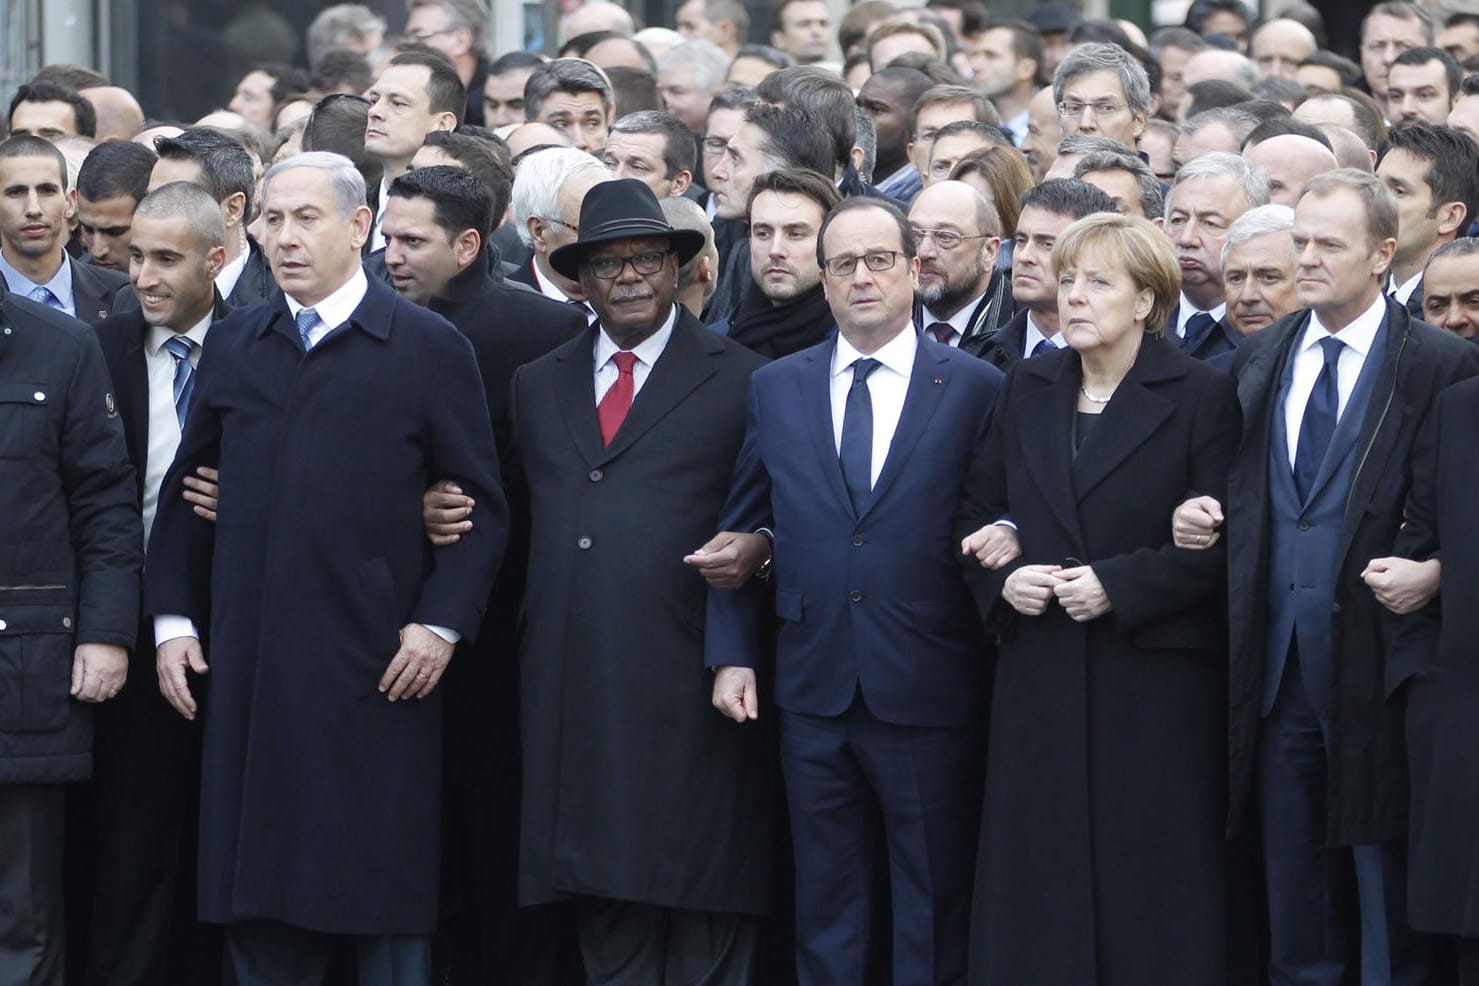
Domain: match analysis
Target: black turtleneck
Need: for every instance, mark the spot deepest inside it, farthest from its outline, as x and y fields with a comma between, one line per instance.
x=780, y=330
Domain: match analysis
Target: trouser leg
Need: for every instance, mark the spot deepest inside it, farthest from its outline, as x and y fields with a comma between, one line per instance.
x=32, y=822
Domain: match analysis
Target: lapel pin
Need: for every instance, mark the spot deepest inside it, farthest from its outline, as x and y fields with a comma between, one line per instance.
x=938, y=380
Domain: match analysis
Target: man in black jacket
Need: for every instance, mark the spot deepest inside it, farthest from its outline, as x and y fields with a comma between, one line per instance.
x=962, y=299
x=436, y=220
x=69, y=598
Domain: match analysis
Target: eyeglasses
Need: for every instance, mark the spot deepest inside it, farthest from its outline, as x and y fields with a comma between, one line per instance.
x=876, y=262
x=646, y=263
x=1101, y=107
x=425, y=36
x=945, y=239
x=560, y=222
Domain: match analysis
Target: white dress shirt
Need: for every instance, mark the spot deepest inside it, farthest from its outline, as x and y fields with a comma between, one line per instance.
x=552, y=291
x=646, y=352
x=377, y=231
x=333, y=312
x=231, y=273
x=1185, y=310
x=1034, y=335
x=1017, y=127
x=1309, y=360
x=887, y=387
x=960, y=321
x=164, y=424
x=1401, y=292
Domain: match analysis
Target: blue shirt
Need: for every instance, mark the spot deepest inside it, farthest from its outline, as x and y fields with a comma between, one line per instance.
x=60, y=284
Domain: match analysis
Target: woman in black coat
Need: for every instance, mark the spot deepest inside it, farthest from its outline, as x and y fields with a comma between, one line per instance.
x=1102, y=859
x=1433, y=669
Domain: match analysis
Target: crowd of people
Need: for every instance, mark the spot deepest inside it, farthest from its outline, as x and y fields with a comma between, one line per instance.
x=991, y=508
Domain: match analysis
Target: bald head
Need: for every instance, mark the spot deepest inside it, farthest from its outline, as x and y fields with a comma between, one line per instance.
x=1289, y=161
x=1279, y=46
x=957, y=199
x=119, y=114
x=599, y=15
x=1214, y=63
x=532, y=135
x=1350, y=150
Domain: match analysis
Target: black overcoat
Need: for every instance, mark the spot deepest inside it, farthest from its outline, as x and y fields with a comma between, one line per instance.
x=1102, y=854
x=320, y=799
x=635, y=788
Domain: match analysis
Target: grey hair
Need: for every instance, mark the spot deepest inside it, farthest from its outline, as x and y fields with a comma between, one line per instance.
x=1240, y=122
x=1091, y=144
x=1219, y=163
x=684, y=213
x=1152, y=202
x=190, y=202
x=1464, y=246
x=867, y=142
x=1097, y=56
x=1244, y=71
x=707, y=59
x=337, y=24
x=537, y=184
x=1272, y=218
x=344, y=178
x=471, y=14
x=571, y=75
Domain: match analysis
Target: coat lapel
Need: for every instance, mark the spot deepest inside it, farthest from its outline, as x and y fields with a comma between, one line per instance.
x=815, y=382
x=133, y=392
x=576, y=393
x=683, y=366
x=1135, y=413
x=927, y=383
x=1047, y=434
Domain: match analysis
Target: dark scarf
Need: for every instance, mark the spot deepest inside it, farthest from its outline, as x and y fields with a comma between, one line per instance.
x=780, y=330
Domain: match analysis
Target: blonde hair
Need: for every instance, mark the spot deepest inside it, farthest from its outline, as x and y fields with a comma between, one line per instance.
x=1136, y=243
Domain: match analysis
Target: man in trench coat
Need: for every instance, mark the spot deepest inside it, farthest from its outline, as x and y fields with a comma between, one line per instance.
x=331, y=619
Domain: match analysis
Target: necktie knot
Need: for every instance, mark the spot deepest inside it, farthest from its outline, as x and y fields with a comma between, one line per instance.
x=41, y=294
x=862, y=369
x=1332, y=347
x=1043, y=346
x=306, y=318
x=624, y=361
x=943, y=332
x=179, y=347
x=1198, y=326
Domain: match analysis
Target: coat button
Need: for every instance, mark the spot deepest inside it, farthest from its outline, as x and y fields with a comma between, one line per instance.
x=39, y=395
x=857, y=540
x=855, y=596
x=584, y=544
x=1304, y=525
x=67, y=622
x=2, y=624
x=597, y=475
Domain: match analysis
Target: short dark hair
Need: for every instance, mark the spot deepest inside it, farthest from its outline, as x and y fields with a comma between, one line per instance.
x=799, y=181
x=77, y=77
x=459, y=200
x=634, y=90
x=1349, y=71
x=1470, y=85
x=939, y=73
x=853, y=204
x=1200, y=10
x=1072, y=197
x=988, y=132
x=225, y=165
x=974, y=17
x=678, y=150
x=1286, y=125
x=341, y=67
x=478, y=159
x=765, y=53
x=1265, y=110
x=732, y=98
x=793, y=137
x=822, y=94
x=1278, y=91
x=1176, y=36
x=116, y=168
x=513, y=61
x=444, y=89
x=83, y=115
x=569, y=75
x=981, y=108
x=1453, y=165
x=1422, y=55
x=1148, y=187
x=287, y=80
x=1026, y=39
x=26, y=145
x=1215, y=94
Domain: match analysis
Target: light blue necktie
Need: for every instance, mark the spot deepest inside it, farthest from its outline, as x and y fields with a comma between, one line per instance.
x=180, y=348
x=307, y=319
x=1043, y=346
x=41, y=294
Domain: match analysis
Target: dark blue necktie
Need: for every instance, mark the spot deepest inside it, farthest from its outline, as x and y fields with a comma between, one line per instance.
x=1043, y=346
x=856, y=451
x=1320, y=417
x=180, y=348
x=1197, y=328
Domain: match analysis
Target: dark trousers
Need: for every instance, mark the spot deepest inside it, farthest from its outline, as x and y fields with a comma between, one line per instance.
x=1305, y=877
x=266, y=953
x=628, y=944
x=32, y=938
x=846, y=776
x=1468, y=961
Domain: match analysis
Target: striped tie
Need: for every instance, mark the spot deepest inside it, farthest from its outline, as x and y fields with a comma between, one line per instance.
x=180, y=348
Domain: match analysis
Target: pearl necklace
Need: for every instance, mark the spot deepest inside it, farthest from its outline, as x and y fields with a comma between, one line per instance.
x=1091, y=398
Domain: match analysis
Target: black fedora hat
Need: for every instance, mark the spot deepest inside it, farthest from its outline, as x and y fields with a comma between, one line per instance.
x=622, y=210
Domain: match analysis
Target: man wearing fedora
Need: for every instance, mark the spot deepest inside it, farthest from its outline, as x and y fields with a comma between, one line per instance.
x=639, y=802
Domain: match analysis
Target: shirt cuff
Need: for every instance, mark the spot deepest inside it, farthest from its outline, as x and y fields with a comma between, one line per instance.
x=168, y=628
x=1004, y=522
x=447, y=634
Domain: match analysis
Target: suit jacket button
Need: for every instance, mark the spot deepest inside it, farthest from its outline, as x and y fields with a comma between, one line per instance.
x=857, y=540
x=1304, y=525
x=2, y=624
x=856, y=596
x=597, y=475
x=584, y=544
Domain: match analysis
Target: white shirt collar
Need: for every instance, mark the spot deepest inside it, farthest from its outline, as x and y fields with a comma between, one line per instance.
x=158, y=334
x=1035, y=335
x=547, y=287
x=961, y=320
x=648, y=350
x=1404, y=290
x=231, y=273
x=1359, y=335
x=335, y=310
x=897, y=354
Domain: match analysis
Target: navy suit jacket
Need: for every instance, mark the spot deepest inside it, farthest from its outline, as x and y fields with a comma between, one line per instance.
x=873, y=600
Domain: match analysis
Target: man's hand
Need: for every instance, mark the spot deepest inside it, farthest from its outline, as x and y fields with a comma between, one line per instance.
x=98, y=671
x=1402, y=585
x=735, y=694
x=1195, y=522
x=993, y=545
x=202, y=491
x=418, y=665
x=730, y=559
x=1029, y=589
x=1081, y=594
x=445, y=512
x=171, y=660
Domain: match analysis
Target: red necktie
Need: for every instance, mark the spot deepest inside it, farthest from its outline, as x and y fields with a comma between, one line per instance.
x=612, y=410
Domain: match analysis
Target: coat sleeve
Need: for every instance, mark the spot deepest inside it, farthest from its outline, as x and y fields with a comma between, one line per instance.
x=735, y=627
x=460, y=447
x=1155, y=582
x=984, y=499
x=103, y=513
